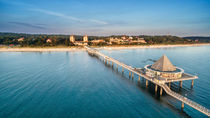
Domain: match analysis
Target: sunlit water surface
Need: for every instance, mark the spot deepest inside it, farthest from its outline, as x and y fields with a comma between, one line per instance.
x=76, y=85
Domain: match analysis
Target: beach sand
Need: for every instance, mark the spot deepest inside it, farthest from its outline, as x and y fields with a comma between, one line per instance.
x=56, y=49
x=149, y=46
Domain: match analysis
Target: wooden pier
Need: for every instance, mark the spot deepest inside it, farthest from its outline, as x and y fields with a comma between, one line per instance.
x=160, y=83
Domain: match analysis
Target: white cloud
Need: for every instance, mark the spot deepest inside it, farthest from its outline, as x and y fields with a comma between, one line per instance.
x=57, y=14
x=98, y=21
x=34, y=8
x=69, y=17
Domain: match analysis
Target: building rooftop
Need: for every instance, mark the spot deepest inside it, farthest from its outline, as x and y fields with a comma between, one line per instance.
x=163, y=64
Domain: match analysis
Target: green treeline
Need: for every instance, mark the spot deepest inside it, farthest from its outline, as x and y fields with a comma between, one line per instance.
x=36, y=39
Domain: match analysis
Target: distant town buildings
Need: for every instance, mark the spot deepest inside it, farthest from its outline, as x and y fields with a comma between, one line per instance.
x=130, y=37
x=79, y=43
x=126, y=40
x=72, y=38
x=85, y=38
x=116, y=40
x=112, y=40
x=20, y=39
x=196, y=40
x=123, y=37
x=96, y=42
x=139, y=41
x=49, y=41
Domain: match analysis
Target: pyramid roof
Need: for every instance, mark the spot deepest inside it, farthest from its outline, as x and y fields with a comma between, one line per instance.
x=163, y=64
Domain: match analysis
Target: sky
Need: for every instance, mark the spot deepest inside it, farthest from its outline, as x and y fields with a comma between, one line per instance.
x=106, y=17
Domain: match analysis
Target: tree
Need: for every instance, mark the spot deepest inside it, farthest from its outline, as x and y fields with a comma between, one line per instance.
x=67, y=42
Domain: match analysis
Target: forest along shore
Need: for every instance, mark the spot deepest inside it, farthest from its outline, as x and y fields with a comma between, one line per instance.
x=63, y=49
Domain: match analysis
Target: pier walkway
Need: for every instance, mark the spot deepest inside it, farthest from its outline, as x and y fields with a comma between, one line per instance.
x=160, y=83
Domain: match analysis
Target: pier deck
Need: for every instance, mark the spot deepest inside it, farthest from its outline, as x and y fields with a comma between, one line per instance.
x=185, y=76
x=161, y=83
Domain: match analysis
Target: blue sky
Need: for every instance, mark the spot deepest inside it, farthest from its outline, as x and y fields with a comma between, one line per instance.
x=106, y=17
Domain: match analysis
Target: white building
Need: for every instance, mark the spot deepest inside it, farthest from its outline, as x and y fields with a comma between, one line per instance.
x=163, y=68
x=85, y=38
x=72, y=38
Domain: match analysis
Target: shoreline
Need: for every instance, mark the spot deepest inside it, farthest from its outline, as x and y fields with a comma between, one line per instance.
x=151, y=46
x=119, y=47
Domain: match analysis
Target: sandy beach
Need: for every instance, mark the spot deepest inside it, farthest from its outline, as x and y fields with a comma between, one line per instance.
x=150, y=46
x=63, y=49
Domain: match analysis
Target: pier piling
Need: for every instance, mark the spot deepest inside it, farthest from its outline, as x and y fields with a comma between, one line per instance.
x=146, y=83
x=122, y=70
x=156, y=88
x=182, y=107
x=169, y=84
x=161, y=91
x=132, y=76
x=139, y=78
x=180, y=84
x=192, y=83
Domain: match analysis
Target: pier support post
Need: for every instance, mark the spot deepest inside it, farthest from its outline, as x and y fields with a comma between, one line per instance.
x=112, y=64
x=182, y=105
x=106, y=61
x=116, y=67
x=180, y=84
x=192, y=83
x=169, y=84
x=122, y=70
x=146, y=83
x=132, y=76
x=129, y=74
x=139, y=78
x=161, y=91
x=156, y=88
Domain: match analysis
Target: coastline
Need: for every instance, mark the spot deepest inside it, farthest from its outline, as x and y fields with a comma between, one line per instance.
x=150, y=46
x=65, y=49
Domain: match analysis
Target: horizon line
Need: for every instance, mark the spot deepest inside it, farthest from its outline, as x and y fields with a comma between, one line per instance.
x=102, y=35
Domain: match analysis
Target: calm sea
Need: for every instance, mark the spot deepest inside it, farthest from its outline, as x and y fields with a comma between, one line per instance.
x=76, y=85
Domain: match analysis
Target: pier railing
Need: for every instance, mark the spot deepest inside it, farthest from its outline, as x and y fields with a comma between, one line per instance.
x=159, y=83
x=186, y=100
